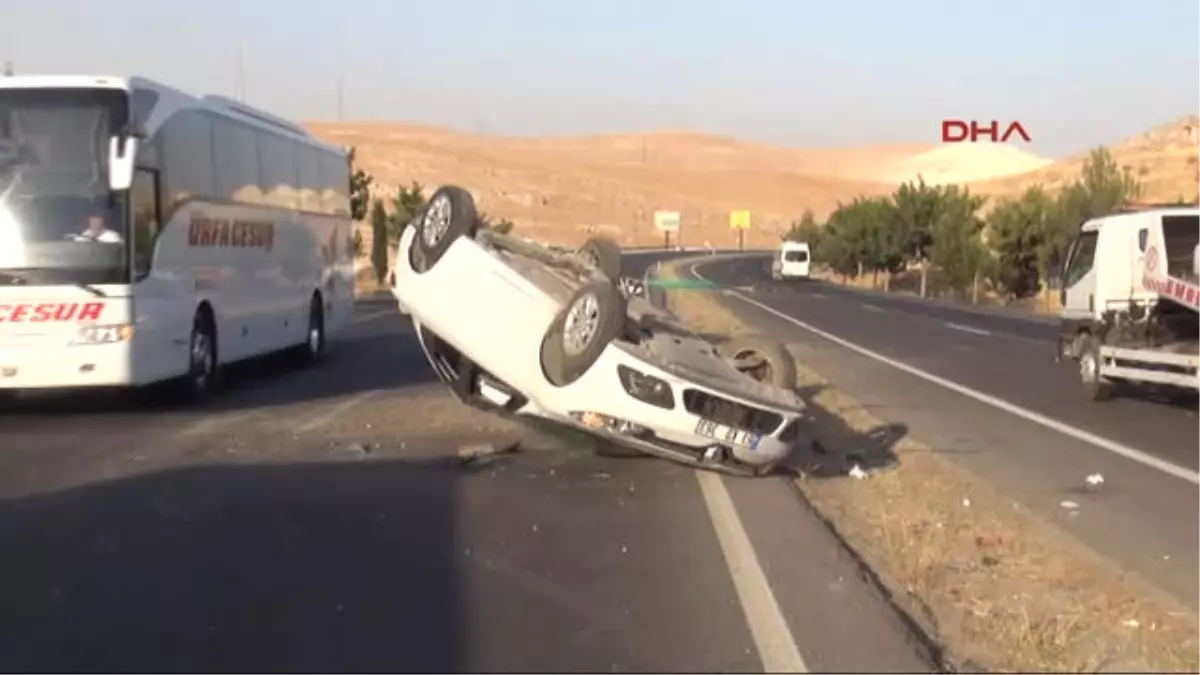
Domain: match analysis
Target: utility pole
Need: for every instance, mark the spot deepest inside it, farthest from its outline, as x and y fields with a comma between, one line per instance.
x=340, y=99
x=239, y=87
x=8, y=69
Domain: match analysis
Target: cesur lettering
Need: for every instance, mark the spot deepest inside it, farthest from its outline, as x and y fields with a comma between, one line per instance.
x=204, y=231
x=41, y=312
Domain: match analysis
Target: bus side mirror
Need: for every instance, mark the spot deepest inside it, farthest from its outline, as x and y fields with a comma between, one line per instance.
x=121, y=155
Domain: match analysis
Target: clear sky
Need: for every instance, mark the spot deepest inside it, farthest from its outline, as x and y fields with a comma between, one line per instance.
x=796, y=72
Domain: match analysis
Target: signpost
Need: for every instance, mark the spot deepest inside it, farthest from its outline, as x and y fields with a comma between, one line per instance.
x=740, y=221
x=667, y=222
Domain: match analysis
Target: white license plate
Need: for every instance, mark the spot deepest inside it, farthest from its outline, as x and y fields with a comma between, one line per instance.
x=726, y=434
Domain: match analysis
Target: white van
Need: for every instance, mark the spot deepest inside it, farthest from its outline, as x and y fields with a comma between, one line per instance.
x=793, y=261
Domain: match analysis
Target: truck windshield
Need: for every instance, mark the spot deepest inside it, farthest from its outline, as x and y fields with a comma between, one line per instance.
x=59, y=221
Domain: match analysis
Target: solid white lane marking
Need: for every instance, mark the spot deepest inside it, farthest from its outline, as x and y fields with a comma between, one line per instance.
x=772, y=638
x=334, y=412
x=1112, y=446
x=967, y=329
x=363, y=318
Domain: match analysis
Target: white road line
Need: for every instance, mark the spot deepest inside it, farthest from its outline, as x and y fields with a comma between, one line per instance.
x=967, y=329
x=363, y=318
x=1112, y=446
x=334, y=412
x=772, y=638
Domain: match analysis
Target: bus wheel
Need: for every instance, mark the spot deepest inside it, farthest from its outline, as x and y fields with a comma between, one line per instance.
x=201, y=378
x=314, y=341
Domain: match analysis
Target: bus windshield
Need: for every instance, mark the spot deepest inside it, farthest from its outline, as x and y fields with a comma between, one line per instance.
x=59, y=221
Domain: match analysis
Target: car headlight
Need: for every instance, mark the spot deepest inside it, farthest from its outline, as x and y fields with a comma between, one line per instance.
x=99, y=335
x=645, y=388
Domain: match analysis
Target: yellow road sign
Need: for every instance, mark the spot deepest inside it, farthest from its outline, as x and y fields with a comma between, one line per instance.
x=739, y=220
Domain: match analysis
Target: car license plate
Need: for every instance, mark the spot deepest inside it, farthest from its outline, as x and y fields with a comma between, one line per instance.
x=727, y=434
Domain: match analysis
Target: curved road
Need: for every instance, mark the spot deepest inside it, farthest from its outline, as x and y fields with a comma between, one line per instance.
x=318, y=519
x=981, y=386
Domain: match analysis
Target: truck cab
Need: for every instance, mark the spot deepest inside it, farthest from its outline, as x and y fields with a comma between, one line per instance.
x=1129, y=299
x=793, y=261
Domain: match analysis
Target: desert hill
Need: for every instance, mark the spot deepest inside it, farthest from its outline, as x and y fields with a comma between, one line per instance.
x=560, y=188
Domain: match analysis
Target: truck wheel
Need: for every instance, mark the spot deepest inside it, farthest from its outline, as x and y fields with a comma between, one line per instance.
x=762, y=360
x=593, y=316
x=450, y=214
x=604, y=253
x=1095, y=386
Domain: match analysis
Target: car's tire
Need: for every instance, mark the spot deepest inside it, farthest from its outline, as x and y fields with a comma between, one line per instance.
x=593, y=316
x=314, y=337
x=201, y=380
x=1095, y=386
x=762, y=359
x=450, y=214
x=605, y=255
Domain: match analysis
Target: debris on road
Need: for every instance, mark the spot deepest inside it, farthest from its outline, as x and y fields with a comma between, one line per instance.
x=1069, y=505
x=477, y=452
x=856, y=471
x=354, y=450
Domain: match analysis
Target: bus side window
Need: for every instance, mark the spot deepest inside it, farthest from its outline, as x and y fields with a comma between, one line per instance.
x=145, y=206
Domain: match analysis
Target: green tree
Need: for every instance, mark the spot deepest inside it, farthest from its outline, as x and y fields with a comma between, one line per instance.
x=917, y=208
x=407, y=203
x=805, y=229
x=502, y=226
x=379, y=239
x=360, y=188
x=1101, y=188
x=852, y=242
x=957, y=247
x=1017, y=229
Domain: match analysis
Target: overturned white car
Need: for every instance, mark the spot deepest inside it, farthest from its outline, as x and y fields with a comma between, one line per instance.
x=519, y=329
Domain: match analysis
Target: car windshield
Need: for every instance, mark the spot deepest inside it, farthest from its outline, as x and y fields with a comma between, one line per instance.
x=59, y=221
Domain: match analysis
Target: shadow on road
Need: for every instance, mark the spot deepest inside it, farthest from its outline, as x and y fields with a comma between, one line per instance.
x=382, y=356
x=831, y=448
x=302, y=568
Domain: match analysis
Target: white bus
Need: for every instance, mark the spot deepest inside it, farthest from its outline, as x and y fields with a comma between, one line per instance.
x=149, y=235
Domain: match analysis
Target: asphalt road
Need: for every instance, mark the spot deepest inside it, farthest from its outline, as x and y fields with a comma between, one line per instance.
x=981, y=386
x=319, y=519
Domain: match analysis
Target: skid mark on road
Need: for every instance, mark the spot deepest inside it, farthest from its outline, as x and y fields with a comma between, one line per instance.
x=333, y=412
x=776, y=647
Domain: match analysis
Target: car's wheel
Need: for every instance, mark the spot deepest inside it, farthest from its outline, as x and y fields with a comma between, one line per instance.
x=762, y=360
x=586, y=324
x=1095, y=386
x=450, y=214
x=314, y=338
x=201, y=378
x=604, y=254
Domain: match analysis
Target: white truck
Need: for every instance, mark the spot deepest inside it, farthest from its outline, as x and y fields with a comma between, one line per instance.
x=148, y=235
x=1130, y=300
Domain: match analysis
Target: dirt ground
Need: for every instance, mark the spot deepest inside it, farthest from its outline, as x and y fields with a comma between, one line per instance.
x=997, y=588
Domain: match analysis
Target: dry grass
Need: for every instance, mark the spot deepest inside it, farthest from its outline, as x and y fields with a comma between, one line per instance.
x=996, y=587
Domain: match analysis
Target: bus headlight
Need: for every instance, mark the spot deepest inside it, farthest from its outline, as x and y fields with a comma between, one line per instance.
x=100, y=335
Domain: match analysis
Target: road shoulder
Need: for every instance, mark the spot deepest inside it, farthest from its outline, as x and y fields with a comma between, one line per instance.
x=994, y=586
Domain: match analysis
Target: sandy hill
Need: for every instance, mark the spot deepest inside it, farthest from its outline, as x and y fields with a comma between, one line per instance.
x=1166, y=159
x=561, y=188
